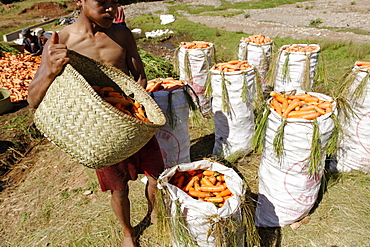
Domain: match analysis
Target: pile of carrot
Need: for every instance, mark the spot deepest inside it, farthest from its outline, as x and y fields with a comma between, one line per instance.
x=204, y=185
x=257, y=39
x=123, y=103
x=195, y=45
x=363, y=64
x=300, y=48
x=303, y=106
x=167, y=84
x=233, y=65
x=17, y=72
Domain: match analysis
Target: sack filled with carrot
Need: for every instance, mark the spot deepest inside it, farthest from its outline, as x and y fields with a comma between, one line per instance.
x=194, y=204
x=124, y=103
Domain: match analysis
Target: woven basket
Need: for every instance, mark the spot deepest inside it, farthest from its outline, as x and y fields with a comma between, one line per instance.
x=75, y=118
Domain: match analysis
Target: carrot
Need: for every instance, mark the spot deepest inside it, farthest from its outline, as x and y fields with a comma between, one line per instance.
x=180, y=181
x=191, y=183
x=299, y=114
x=114, y=100
x=197, y=185
x=201, y=194
x=214, y=199
x=226, y=192
x=299, y=96
x=220, y=177
x=284, y=105
x=319, y=110
x=291, y=107
x=212, y=188
x=109, y=89
x=205, y=181
x=311, y=116
x=213, y=179
x=325, y=105
x=277, y=96
x=311, y=99
x=209, y=173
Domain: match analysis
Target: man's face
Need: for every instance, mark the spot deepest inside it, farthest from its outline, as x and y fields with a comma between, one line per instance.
x=101, y=12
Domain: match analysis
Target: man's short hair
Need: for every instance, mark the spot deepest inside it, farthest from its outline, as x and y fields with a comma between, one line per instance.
x=25, y=30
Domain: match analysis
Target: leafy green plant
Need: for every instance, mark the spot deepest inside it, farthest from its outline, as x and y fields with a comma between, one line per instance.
x=316, y=22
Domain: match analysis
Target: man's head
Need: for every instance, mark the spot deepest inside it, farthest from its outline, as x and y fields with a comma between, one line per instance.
x=25, y=31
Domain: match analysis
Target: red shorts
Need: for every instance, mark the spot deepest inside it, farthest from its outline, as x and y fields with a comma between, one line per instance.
x=148, y=160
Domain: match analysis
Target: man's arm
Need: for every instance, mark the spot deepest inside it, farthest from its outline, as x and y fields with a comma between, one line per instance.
x=54, y=58
x=134, y=62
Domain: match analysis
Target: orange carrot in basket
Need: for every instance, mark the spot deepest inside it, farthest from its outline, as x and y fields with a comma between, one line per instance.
x=114, y=100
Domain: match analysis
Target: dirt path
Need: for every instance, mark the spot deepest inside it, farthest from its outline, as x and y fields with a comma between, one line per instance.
x=292, y=20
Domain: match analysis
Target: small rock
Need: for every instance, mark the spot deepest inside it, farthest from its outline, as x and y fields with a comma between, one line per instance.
x=87, y=192
x=305, y=220
x=295, y=225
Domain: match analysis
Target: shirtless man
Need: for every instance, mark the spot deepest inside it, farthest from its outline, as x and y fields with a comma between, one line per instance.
x=94, y=35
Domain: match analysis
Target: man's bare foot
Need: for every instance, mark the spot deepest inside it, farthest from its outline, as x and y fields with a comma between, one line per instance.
x=130, y=238
x=130, y=241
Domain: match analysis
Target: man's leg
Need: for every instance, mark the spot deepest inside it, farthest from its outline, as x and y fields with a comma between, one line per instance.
x=150, y=193
x=121, y=207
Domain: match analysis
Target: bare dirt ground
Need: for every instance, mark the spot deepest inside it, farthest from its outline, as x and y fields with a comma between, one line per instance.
x=291, y=20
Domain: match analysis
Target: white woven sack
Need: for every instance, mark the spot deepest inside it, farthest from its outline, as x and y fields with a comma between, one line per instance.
x=258, y=55
x=234, y=129
x=198, y=213
x=354, y=148
x=296, y=66
x=174, y=140
x=199, y=62
x=286, y=192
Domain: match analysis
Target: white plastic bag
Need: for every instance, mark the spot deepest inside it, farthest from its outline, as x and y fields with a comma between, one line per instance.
x=200, y=216
x=287, y=192
x=293, y=67
x=194, y=65
x=173, y=137
x=234, y=126
x=354, y=147
x=258, y=55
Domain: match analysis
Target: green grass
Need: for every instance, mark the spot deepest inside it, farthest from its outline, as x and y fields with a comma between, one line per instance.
x=225, y=5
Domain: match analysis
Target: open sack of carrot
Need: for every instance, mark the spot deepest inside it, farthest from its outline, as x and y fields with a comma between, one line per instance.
x=294, y=153
x=195, y=215
x=196, y=45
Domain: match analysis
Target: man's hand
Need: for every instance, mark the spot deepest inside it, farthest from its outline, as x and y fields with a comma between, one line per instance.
x=57, y=55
